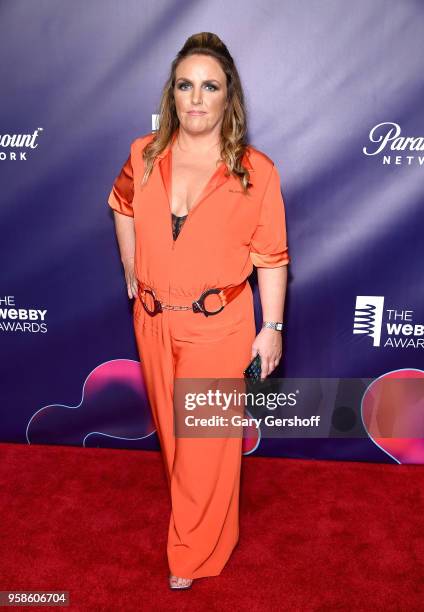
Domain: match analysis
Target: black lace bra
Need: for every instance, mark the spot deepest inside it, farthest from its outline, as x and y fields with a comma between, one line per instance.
x=177, y=223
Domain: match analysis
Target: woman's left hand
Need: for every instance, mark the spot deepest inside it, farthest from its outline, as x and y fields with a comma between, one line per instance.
x=268, y=343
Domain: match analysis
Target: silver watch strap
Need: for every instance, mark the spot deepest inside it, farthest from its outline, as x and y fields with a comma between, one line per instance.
x=273, y=325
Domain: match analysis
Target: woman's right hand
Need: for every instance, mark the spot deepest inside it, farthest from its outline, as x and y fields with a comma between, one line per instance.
x=125, y=233
x=130, y=278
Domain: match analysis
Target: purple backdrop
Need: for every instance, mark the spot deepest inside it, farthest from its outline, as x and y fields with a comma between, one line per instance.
x=333, y=91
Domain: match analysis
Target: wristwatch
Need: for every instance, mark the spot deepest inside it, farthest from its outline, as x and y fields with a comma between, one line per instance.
x=273, y=325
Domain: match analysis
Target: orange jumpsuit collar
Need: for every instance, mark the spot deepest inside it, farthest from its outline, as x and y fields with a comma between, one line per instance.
x=218, y=178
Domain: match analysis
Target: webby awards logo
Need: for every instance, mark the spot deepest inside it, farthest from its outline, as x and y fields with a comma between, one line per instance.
x=392, y=327
x=15, y=147
x=386, y=138
x=13, y=319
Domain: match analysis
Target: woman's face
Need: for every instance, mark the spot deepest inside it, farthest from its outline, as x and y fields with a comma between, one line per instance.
x=200, y=86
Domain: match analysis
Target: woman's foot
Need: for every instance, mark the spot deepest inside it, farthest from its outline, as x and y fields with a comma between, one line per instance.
x=176, y=582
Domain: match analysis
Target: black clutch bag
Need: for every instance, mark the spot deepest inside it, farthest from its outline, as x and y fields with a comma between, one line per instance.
x=253, y=370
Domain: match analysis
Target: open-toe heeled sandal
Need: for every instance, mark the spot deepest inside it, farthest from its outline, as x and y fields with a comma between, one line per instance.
x=173, y=583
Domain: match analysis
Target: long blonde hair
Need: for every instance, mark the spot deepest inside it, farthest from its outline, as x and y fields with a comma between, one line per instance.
x=234, y=125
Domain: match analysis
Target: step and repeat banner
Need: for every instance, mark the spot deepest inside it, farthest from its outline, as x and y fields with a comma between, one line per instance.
x=334, y=94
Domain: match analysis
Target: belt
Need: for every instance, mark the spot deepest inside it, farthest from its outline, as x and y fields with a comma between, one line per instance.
x=226, y=295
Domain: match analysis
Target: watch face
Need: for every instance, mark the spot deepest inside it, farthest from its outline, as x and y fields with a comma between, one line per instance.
x=279, y=326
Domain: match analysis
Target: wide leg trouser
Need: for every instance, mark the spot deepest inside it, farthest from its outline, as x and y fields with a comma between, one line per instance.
x=203, y=474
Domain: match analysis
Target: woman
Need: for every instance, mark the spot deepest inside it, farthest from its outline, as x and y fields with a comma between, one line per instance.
x=195, y=208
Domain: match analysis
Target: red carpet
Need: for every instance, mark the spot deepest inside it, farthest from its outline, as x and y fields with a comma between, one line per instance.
x=314, y=535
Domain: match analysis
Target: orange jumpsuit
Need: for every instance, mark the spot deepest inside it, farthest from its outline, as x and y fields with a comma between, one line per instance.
x=224, y=235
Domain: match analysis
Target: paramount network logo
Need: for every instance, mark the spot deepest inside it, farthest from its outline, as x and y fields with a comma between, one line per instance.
x=16, y=146
x=399, y=330
x=392, y=145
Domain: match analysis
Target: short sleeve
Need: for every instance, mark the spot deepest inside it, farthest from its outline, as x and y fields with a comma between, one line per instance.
x=122, y=193
x=268, y=245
